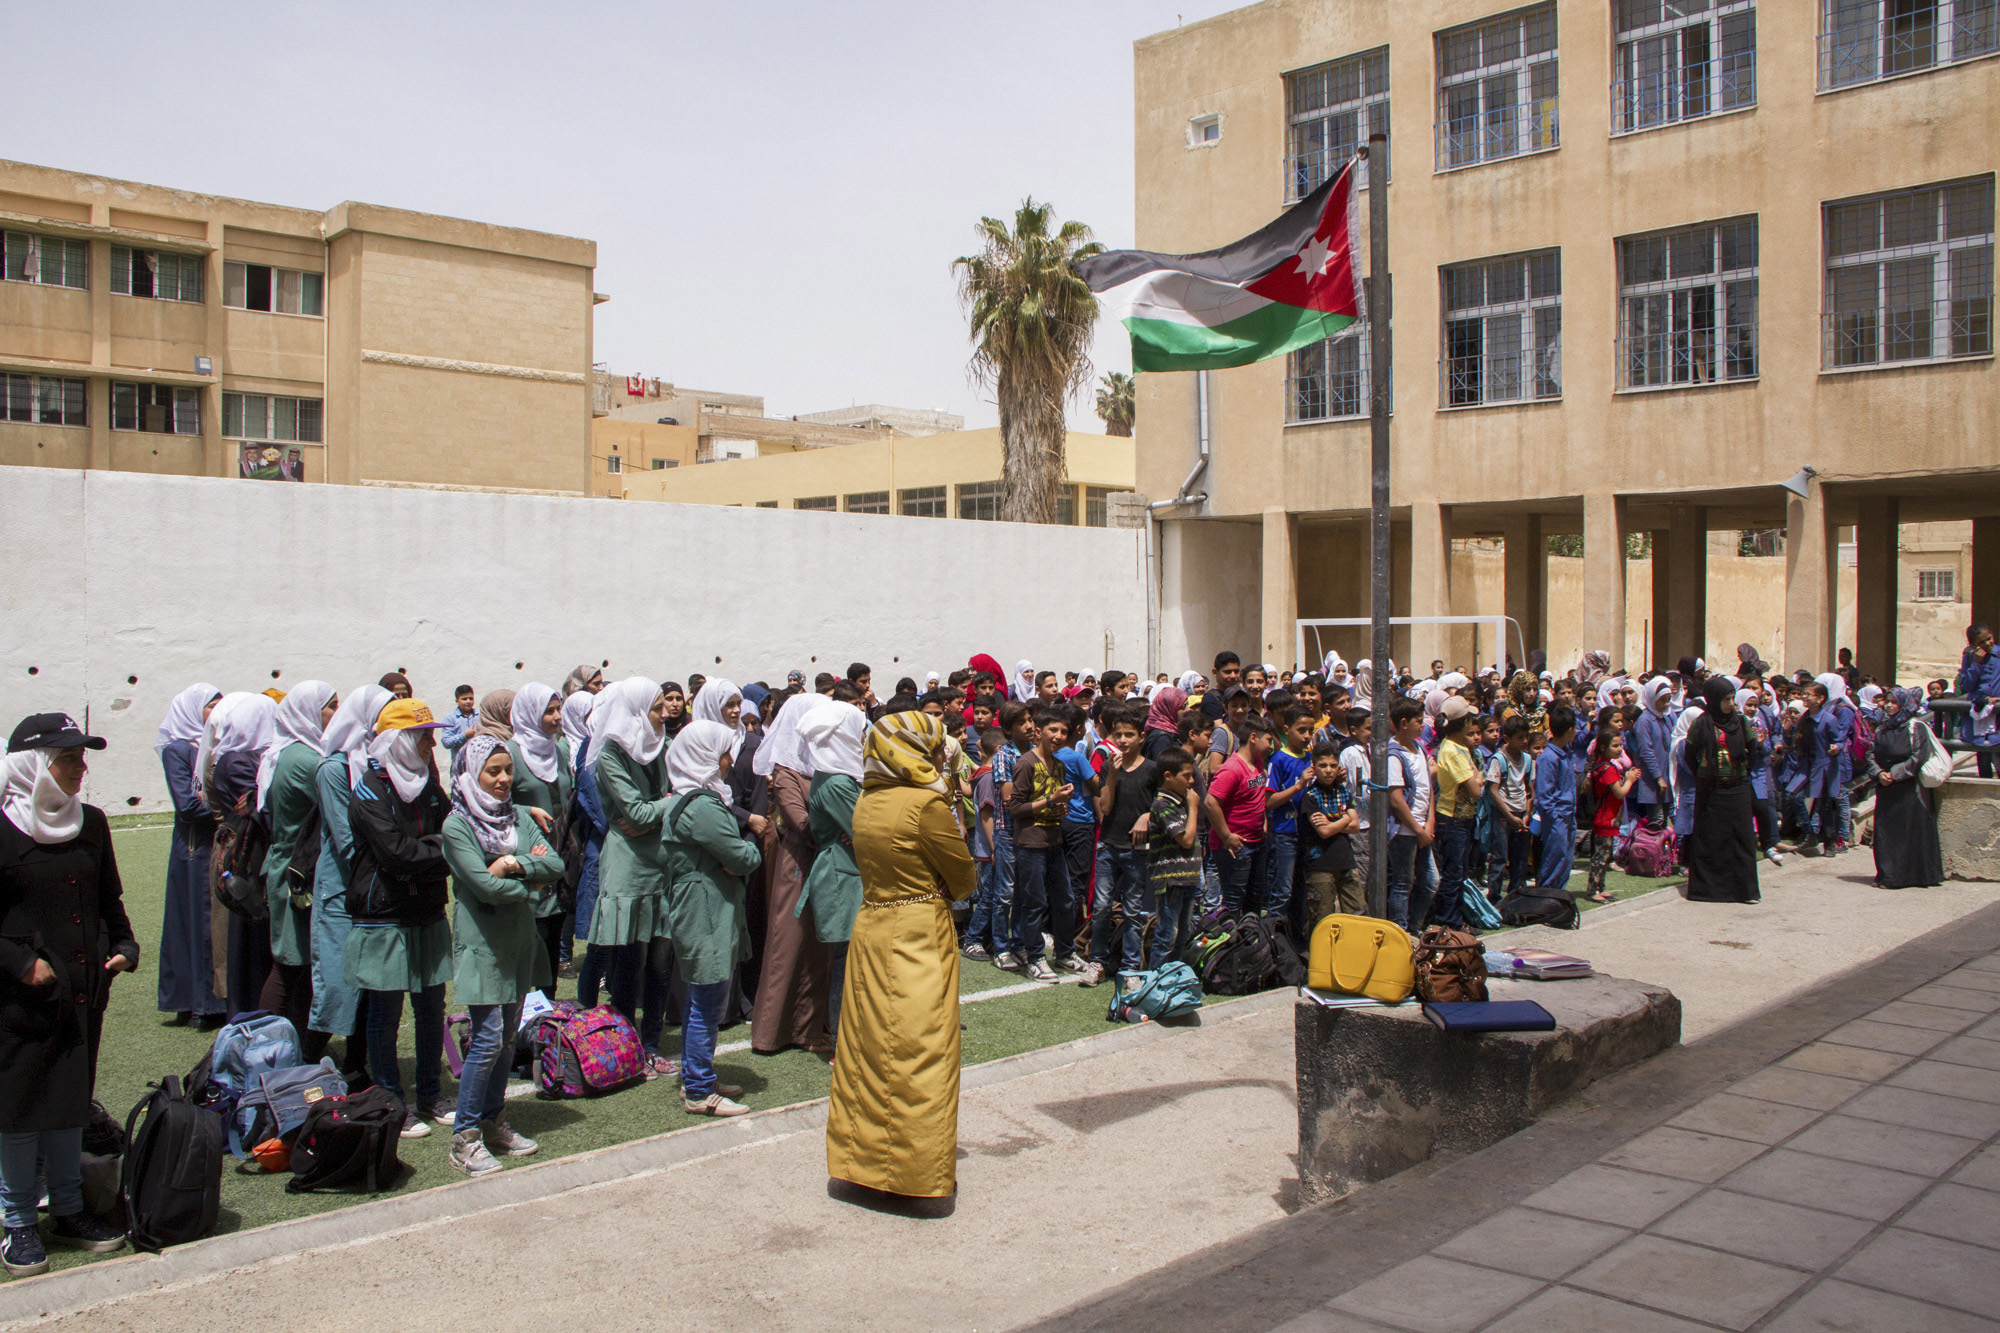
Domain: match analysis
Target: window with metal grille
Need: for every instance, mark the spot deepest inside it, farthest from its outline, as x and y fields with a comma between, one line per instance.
x=1066, y=506
x=159, y=408
x=921, y=502
x=980, y=500
x=868, y=502
x=1497, y=87
x=1502, y=335
x=53, y=261
x=1332, y=109
x=1097, y=505
x=1909, y=276
x=1688, y=305
x=614, y=464
x=283, y=290
x=1937, y=585
x=160, y=274
x=1327, y=381
x=1679, y=59
x=265, y=416
x=42, y=400
x=767, y=504
x=1863, y=40
x=817, y=502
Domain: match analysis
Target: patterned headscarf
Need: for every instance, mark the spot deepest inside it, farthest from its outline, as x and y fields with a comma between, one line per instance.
x=1596, y=664
x=901, y=751
x=1164, y=713
x=490, y=818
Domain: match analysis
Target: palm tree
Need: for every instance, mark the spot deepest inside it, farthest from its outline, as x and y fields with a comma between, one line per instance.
x=1114, y=403
x=1031, y=317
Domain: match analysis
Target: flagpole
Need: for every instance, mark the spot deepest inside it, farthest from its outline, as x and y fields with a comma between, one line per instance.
x=1383, y=689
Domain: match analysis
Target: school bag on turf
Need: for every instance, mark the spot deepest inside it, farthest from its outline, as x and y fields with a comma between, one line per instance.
x=1252, y=959
x=596, y=1051
x=253, y=1044
x=1166, y=992
x=171, y=1184
x=348, y=1143
x=277, y=1101
x=1480, y=913
x=1653, y=852
x=103, y=1161
x=1206, y=943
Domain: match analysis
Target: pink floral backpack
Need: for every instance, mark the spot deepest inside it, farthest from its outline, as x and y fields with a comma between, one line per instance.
x=588, y=1053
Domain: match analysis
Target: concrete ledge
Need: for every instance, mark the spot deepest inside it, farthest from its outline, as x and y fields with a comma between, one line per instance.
x=1968, y=815
x=1381, y=1090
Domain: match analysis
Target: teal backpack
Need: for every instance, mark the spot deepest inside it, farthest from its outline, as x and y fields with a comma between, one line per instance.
x=1166, y=992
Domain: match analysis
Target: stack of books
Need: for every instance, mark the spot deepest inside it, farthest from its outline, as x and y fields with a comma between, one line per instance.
x=1535, y=965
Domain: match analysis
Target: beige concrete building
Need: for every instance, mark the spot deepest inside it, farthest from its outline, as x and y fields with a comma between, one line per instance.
x=954, y=475
x=149, y=329
x=1651, y=260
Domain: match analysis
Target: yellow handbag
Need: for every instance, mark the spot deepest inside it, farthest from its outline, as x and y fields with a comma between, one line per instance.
x=1362, y=955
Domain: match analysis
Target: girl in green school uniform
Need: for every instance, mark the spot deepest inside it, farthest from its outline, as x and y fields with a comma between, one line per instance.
x=627, y=740
x=288, y=793
x=543, y=785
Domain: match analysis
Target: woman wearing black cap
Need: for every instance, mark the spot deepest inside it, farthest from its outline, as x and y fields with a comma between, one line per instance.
x=63, y=935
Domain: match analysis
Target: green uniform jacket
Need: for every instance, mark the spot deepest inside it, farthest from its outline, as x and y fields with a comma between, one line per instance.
x=631, y=872
x=497, y=955
x=553, y=797
x=833, y=886
x=707, y=859
x=294, y=802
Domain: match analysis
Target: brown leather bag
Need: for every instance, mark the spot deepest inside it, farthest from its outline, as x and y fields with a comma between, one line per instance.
x=1451, y=966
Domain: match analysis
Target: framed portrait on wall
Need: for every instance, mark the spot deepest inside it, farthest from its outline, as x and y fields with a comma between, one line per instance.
x=271, y=462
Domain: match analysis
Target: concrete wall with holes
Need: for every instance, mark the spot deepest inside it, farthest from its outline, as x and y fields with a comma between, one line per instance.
x=122, y=589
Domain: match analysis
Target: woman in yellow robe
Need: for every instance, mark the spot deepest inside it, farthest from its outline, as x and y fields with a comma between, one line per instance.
x=892, y=1121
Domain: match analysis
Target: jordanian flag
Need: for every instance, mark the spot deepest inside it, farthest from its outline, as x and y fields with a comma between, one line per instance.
x=1284, y=287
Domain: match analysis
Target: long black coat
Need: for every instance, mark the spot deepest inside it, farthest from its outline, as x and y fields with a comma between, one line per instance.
x=63, y=904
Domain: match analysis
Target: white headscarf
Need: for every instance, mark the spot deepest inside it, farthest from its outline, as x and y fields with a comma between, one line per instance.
x=1023, y=684
x=931, y=679
x=538, y=748
x=620, y=715
x=240, y=724
x=576, y=723
x=396, y=753
x=183, y=719
x=1334, y=666
x=1188, y=681
x=833, y=733
x=353, y=723
x=491, y=820
x=1836, y=687
x=783, y=744
x=712, y=698
x=694, y=760
x=35, y=804
x=1870, y=695
x=296, y=719
x=1453, y=680
x=1612, y=686
x=1656, y=694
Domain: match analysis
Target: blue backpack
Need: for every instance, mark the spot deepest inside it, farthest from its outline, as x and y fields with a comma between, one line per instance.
x=254, y=1044
x=1166, y=992
x=276, y=1102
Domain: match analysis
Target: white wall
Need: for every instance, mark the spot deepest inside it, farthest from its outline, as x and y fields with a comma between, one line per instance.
x=111, y=576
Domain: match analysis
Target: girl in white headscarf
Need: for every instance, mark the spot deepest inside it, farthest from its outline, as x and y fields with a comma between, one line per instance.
x=1651, y=749
x=832, y=892
x=588, y=814
x=1189, y=682
x=720, y=701
x=233, y=740
x=628, y=740
x=543, y=786
x=790, y=1008
x=337, y=1005
x=288, y=793
x=576, y=723
x=187, y=969
x=1023, y=685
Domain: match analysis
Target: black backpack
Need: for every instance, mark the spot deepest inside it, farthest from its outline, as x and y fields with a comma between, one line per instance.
x=348, y=1142
x=1544, y=907
x=1258, y=955
x=171, y=1182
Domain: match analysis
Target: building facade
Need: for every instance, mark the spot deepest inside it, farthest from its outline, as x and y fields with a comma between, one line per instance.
x=147, y=329
x=1651, y=260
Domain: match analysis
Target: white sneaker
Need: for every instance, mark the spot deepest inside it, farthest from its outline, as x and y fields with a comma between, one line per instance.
x=1092, y=973
x=977, y=953
x=714, y=1104
x=414, y=1128
x=1039, y=970
x=1008, y=961
x=500, y=1137
x=469, y=1154
x=1773, y=857
x=1069, y=962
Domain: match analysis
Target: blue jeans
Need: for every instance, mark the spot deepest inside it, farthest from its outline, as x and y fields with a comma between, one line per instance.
x=489, y=1055
x=1558, y=852
x=25, y=1158
x=1507, y=874
x=1454, y=854
x=385, y=1016
x=698, y=1038
x=1121, y=880
x=1281, y=875
x=994, y=907
x=1042, y=899
x=1409, y=882
x=1209, y=903
x=1170, y=924
x=1240, y=872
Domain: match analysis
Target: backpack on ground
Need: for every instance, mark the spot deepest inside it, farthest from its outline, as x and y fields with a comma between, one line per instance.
x=347, y=1143
x=588, y=1053
x=1257, y=955
x=1653, y=852
x=1480, y=913
x=1451, y=966
x=276, y=1104
x=1205, y=943
x=171, y=1183
x=534, y=1007
x=1166, y=992
x=1555, y=908
x=254, y=1044
x=103, y=1162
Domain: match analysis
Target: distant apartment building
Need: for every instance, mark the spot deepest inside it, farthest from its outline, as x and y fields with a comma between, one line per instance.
x=901, y=420
x=151, y=329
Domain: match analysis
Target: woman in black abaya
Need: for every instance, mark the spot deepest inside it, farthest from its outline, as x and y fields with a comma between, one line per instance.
x=1722, y=753
x=1907, y=855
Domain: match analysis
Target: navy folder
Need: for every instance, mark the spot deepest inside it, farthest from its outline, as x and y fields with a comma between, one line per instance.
x=1491, y=1016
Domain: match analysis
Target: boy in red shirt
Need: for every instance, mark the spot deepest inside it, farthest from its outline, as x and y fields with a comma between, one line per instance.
x=1235, y=808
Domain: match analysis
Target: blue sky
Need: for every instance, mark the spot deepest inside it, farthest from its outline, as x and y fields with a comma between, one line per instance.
x=777, y=190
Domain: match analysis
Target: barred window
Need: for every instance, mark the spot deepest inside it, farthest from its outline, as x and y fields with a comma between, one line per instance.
x=1909, y=276
x=1679, y=59
x=1937, y=585
x=54, y=261
x=1066, y=506
x=921, y=502
x=981, y=500
x=1097, y=505
x=263, y=416
x=1332, y=109
x=161, y=274
x=1502, y=329
x=1328, y=380
x=1688, y=305
x=827, y=502
x=1497, y=87
x=262, y=287
x=42, y=400
x=159, y=408
x=868, y=502
x=1863, y=40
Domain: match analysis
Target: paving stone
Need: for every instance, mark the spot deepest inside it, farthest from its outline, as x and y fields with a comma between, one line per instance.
x=1531, y=1242
x=1326, y=1319
x=1779, y=1233
x=1567, y=1310
x=1688, y=1280
x=1884, y=1037
x=1969, y=1051
x=1797, y=1087
x=1927, y=1110
x=1841, y=1307
x=1956, y=997
x=1983, y=1171
x=1930, y=1268
x=1989, y=1030
x=1935, y=1017
x=1433, y=1295
x=1744, y=1118
x=1844, y=1061
x=1976, y=978
x=1979, y=1085
x=1907, y=1149
x=1957, y=1212
x=1985, y=963
x=1683, y=1154
x=1606, y=1194
x=1822, y=1182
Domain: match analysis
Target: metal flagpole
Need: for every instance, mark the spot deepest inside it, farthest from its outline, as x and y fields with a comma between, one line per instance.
x=1384, y=686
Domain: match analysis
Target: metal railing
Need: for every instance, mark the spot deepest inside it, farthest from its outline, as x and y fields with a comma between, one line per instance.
x=1666, y=96
x=1506, y=131
x=1870, y=49
x=1693, y=356
x=1926, y=331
